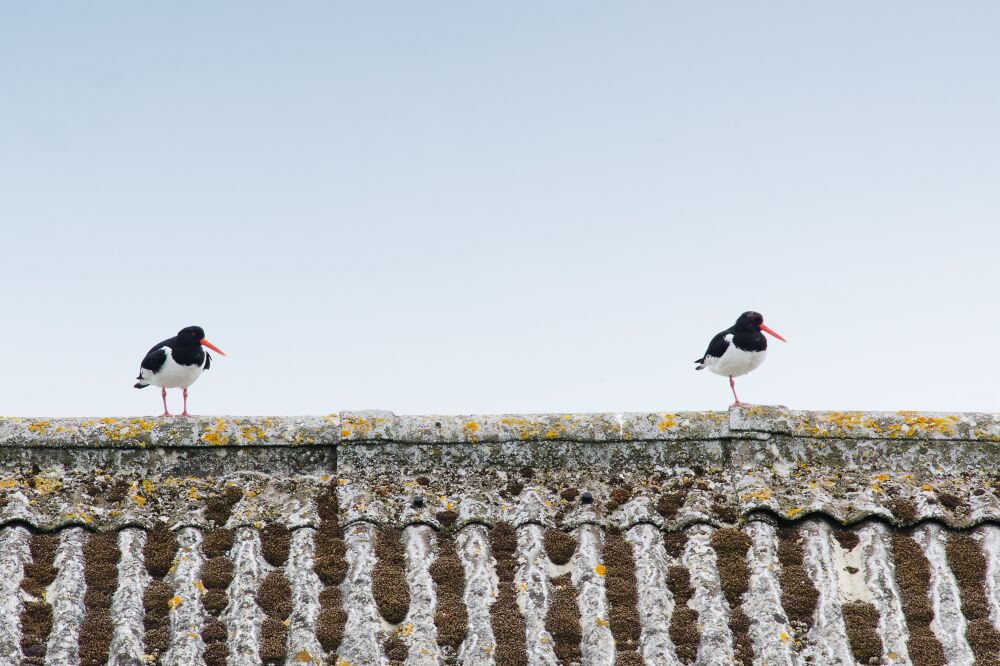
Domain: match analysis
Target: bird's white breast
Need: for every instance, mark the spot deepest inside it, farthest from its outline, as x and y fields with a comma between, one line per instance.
x=735, y=362
x=173, y=374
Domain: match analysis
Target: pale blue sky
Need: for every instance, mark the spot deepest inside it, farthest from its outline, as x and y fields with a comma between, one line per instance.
x=491, y=207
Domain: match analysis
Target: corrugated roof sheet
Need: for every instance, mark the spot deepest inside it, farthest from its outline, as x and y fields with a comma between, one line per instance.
x=761, y=536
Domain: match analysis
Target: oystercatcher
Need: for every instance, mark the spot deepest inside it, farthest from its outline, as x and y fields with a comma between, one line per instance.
x=738, y=350
x=176, y=363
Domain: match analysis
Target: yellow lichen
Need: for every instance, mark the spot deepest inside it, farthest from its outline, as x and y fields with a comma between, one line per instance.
x=761, y=494
x=138, y=499
x=175, y=602
x=600, y=570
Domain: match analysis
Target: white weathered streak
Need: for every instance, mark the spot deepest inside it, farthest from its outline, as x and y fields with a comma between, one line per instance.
x=66, y=596
x=473, y=546
x=361, y=644
x=827, y=639
x=655, y=603
x=422, y=640
x=880, y=579
x=188, y=617
x=948, y=623
x=127, y=610
x=989, y=538
x=243, y=616
x=305, y=586
x=597, y=645
x=14, y=554
x=716, y=645
x=763, y=600
x=534, y=594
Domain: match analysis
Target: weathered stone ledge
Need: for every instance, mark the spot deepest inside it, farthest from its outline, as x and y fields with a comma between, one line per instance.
x=345, y=428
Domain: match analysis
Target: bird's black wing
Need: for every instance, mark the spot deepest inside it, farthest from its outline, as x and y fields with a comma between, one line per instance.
x=208, y=361
x=155, y=358
x=717, y=347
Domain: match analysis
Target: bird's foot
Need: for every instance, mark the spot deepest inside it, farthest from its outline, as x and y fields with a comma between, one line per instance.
x=184, y=413
x=166, y=414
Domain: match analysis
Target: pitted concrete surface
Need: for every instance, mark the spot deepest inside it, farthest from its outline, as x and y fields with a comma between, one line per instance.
x=655, y=478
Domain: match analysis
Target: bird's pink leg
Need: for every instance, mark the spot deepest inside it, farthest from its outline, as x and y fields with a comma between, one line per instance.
x=185, y=412
x=165, y=411
x=732, y=385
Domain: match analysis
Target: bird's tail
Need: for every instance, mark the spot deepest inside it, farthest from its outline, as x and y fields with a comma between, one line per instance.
x=701, y=363
x=141, y=384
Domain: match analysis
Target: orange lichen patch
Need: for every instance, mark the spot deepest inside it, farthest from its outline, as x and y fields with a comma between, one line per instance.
x=38, y=427
x=667, y=421
x=128, y=430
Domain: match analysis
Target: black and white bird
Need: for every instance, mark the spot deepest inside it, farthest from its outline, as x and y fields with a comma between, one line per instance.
x=738, y=350
x=176, y=363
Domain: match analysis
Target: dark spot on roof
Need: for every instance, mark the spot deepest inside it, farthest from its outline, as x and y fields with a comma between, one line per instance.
x=569, y=494
x=214, y=601
x=392, y=594
x=563, y=620
x=861, y=620
x=527, y=472
x=446, y=518
x=274, y=595
x=214, y=632
x=559, y=546
x=904, y=511
x=670, y=503
x=514, y=488
x=622, y=595
x=448, y=574
x=505, y=617
x=219, y=507
x=799, y=595
x=217, y=573
x=423, y=481
x=217, y=542
x=274, y=637
x=684, y=620
x=159, y=550
x=621, y=495
x=275, y=541
x=587, y=497
x=215, y=654
x=332, y=618
x=731, y=546
x=418, y=502
x=396, y=650
x=913, y=576
x=948, y=500
x=968, y=563
x=101, y=555
x=847, y=538
x=674, y=543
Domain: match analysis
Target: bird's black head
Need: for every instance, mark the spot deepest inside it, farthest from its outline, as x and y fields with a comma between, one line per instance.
x=750, y=321
x=191, y=335
x=754, y=322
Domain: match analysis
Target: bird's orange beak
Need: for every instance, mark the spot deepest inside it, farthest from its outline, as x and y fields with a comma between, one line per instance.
x=208, y=344
x=762, y=327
